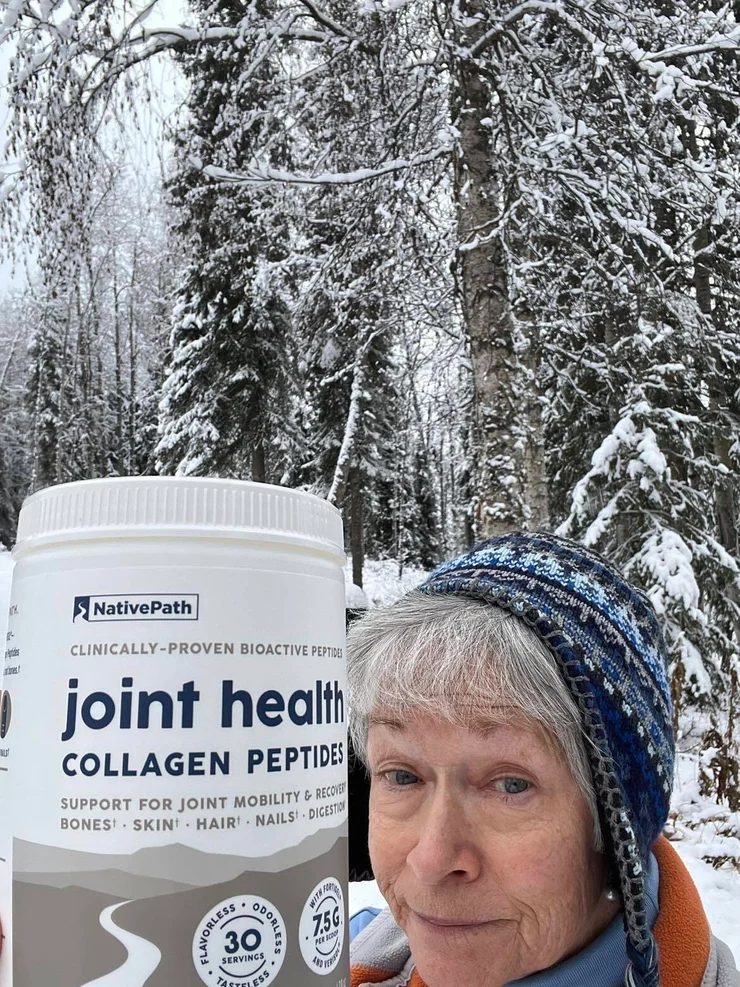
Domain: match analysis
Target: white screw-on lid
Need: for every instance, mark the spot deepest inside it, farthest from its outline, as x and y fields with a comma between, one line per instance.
x=164, y=506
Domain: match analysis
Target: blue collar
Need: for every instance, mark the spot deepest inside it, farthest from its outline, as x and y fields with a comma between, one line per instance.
x=604, y=960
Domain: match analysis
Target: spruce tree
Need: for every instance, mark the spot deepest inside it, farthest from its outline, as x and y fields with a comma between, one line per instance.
x=228, y=402
x=14, y=419
x=351, y=384
x=348, y=316
x=45, y=394
x=644, y=424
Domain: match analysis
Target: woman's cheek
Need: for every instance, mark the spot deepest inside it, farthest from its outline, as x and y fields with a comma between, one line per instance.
x=390, y=835
x=387, y=855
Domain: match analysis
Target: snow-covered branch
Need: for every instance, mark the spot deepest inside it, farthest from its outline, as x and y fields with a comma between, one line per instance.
x=321, y=17
x=155, y=40
x=720, y=42
x=260, y=173
x=522, y=10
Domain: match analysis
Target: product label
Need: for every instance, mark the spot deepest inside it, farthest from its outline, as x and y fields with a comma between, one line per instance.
x=173, y=769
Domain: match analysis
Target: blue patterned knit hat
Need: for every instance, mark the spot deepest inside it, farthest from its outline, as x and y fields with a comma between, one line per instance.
x=609, y=648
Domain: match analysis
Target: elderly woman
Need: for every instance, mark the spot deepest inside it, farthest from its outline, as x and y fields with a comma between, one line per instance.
x=515, y=718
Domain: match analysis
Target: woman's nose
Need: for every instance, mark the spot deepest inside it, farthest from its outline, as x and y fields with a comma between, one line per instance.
x=445, y=848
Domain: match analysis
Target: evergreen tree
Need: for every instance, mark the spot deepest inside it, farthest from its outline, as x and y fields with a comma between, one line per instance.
x=349, y=315
x=647, y=414
x=14, y=452
x=46, y=394
x=350, y=378
x=229, y=403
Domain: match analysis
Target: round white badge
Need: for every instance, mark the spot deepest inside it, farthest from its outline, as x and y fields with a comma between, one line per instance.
x=321, y=929
x=242, y=940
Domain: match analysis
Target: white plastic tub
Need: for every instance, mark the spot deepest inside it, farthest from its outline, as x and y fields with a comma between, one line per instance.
x=173, y=742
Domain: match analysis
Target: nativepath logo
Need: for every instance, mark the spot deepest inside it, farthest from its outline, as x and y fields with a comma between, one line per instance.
x=136, y=606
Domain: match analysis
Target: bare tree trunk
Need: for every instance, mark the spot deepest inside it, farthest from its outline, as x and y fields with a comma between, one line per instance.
x=37, y=472
x=726, y=509
x=356, y=535
x=535, y=474
x=132, y=362
x=611, y=338
x=93, y=415
x=259, y=473
x=119, y=458
x=441, y=495
x=62, y=425
x=9, y=360
x=483, y=287
x=354, y=414
x=536, y=500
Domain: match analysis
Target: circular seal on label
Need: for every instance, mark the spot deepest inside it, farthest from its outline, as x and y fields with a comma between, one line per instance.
x=240, y=941
x=321, y=929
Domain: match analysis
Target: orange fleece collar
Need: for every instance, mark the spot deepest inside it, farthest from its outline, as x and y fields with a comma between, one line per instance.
x=681, y=930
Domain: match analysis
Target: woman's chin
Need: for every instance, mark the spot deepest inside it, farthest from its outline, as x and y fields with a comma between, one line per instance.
x=463, y=969
x=463, y=955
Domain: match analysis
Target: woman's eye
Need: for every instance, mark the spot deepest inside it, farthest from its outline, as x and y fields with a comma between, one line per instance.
x=512, y=786
x=401, y=778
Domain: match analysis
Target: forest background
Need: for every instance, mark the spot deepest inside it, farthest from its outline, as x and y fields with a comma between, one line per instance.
x=459, y=266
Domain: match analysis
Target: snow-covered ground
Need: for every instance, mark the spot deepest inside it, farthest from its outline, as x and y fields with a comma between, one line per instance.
x=700, y=829
x=703, y=831
x=381, y=582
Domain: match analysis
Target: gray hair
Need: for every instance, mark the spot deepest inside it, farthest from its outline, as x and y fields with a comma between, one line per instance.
x=451, y=657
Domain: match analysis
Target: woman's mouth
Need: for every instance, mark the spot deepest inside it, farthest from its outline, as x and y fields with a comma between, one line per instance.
x=440, y=923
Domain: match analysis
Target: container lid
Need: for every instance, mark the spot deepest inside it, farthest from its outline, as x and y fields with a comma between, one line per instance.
x=164, y=506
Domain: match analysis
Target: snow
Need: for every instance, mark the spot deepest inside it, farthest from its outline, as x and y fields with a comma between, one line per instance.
x=382, y=582
x=355, y=597
x=330, y=354
x=668, y=559
x=258, y=172
x=694, y=666
x=649, y=455
x=703, y=829
x=364, y=894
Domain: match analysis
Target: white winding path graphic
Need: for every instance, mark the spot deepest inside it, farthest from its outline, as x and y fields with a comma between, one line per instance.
x=142, y=960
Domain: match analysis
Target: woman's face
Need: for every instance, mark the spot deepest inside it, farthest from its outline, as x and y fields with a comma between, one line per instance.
x=482, y=846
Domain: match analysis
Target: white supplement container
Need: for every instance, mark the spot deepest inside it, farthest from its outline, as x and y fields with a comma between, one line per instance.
x=173, y=740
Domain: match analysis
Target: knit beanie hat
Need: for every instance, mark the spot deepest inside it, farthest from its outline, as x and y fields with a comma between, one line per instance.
x=610, y=651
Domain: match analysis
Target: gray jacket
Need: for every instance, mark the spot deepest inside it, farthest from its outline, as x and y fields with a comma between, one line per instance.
x=721, y=970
